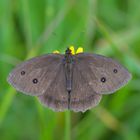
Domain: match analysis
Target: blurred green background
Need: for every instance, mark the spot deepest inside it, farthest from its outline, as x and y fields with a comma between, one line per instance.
x=31, y=27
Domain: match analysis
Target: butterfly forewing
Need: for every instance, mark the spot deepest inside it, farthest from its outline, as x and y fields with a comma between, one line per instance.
x=56, y=96
x=103, y=74
x=34, y=76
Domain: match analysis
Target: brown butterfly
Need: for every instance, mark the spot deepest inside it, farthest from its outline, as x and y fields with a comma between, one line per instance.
x=65, y=81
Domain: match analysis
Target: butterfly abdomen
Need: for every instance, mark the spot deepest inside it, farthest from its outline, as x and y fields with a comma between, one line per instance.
x=68, y=75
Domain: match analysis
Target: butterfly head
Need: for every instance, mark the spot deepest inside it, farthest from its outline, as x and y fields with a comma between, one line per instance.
x=68, y=51
x=71, y=50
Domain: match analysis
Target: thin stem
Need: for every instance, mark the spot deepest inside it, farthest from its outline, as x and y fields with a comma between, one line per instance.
x=67, y=125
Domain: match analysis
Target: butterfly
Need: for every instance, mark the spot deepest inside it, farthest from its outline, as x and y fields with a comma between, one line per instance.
x=69, y=81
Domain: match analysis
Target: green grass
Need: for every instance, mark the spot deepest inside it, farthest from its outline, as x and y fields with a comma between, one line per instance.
x=67, y=125
x=31, y=28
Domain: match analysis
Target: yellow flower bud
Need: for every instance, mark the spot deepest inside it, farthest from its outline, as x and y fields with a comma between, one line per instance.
x=72, y=49
x=79, y=50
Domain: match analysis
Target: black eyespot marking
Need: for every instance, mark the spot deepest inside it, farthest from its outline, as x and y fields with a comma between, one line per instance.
x=103, y=79
x=115, y=70
x=35, y=81
x=22, y=72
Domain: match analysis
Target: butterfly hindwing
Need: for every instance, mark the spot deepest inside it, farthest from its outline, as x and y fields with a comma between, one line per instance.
x=56, y=95
x=82, y=96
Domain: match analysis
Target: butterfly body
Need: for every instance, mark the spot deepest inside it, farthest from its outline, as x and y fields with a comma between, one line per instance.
x=68, y=66
x=66, y=81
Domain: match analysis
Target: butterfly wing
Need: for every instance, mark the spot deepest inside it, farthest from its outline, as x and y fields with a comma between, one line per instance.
x=82, y=96
x=34, y=76
x=104, y=75
x=56, y=95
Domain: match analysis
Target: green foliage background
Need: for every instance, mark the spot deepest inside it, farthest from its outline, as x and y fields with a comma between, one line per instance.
x=31, y=27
